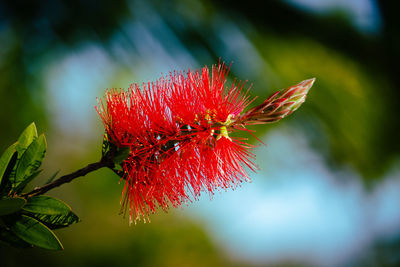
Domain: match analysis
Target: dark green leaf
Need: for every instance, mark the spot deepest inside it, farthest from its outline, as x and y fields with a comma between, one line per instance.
x=34, y=232
x=6, y=158
x=51, y=211
x=117, y=167
x=57, y=221
x=9, y=176
x=52, y=177
x=11, y=205
x=21, y=186
x=121, y=155
x=106, y=145
x=10, y=238
x=30, y=160
x=26, y=138
x=47, y=205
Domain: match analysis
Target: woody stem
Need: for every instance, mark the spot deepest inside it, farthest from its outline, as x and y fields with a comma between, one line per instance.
x=104, y=162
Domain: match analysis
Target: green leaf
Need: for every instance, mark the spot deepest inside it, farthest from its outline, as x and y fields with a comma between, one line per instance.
x=106, y=146
x=121, y=154
x=57, y=221
x=52, y=177
x=9, y=175
x=11, y=205
x=51, y=211
x=26, y=138
x=30, y=161
x=6, y=158
x=10, y=238
x=47, y=205
x=22, y=185
x=117, y=167
x=34, y=232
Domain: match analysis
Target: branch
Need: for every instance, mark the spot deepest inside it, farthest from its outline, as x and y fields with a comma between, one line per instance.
x=104, y=162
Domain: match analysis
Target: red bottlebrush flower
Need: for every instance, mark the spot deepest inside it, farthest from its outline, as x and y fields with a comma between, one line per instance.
x=177, y=130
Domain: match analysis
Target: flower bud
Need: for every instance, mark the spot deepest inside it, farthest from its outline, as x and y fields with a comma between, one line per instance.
x=278, y=105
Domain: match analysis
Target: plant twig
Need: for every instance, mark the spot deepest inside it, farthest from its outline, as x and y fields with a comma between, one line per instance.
x=104, y=162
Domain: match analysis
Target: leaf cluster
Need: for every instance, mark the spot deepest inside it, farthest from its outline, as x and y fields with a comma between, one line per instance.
x=29, y=221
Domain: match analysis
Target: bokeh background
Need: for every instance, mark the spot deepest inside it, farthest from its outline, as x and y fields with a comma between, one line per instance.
x=328, y=189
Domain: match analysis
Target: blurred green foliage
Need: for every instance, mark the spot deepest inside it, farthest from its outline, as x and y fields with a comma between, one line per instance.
x=348, y=113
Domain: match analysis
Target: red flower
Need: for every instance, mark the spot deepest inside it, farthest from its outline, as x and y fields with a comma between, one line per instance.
x=178, y=132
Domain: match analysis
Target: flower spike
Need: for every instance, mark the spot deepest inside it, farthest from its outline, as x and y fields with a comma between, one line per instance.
x=175, y=136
